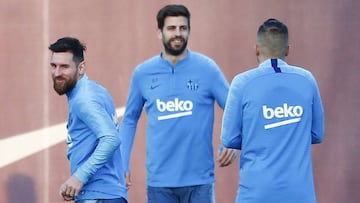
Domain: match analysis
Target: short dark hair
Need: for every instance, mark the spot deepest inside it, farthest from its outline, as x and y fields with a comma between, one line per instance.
x=273, y=35
x=172, y=10
x=70, y=44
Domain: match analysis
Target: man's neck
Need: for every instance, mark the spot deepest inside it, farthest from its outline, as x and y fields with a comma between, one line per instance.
x=174, y=59
x=264, y=58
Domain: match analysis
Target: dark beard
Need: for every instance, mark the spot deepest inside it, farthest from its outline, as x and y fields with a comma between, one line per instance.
x=66, y=87
x=174, y=52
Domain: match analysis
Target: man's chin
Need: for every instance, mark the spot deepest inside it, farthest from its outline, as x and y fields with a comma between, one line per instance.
x=60, y=91
x=175, y=52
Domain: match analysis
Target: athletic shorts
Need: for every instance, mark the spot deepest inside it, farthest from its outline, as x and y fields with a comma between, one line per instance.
x=188, y=194
x=119, y=200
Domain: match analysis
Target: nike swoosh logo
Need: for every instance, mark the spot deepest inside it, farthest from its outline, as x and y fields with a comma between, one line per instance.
x=154, y=86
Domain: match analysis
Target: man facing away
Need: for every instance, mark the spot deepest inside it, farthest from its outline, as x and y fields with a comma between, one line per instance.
x=273, y=114
x=93, y=140
x=178, y=89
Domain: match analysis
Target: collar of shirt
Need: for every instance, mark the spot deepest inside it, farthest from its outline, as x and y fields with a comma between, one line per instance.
x=78, y=84
x=267, y=63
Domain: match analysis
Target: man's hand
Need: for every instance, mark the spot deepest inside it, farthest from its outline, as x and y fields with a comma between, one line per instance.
x=226, y=157
x=128, y=180
x=70, y=188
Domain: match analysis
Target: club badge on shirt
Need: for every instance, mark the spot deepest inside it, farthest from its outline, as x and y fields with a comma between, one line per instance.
x=193, y=84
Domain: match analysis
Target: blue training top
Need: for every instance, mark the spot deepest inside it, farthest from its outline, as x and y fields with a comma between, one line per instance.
x=179, y=102
x=93, y=142
x=273, y=114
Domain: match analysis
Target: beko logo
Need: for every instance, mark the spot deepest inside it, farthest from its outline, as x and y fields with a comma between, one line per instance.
x=292, y=114
x=176, y=108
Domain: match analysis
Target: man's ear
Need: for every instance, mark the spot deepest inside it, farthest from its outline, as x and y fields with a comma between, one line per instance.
x=81, y=68
x=159, y=33
x=287, y=50
x=257, y=50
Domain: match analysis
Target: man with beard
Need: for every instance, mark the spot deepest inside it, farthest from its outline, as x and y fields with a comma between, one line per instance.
x=93, y=136
x=178, y=88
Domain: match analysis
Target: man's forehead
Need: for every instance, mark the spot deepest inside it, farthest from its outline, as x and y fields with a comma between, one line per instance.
x=63, y=57
x=175, y=20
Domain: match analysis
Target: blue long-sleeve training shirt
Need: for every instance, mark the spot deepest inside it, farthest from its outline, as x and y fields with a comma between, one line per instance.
x=93, y=142
x=273, y=114
x=179, y=103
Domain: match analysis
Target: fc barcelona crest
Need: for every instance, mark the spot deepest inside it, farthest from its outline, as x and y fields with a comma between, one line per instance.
x=192, y=85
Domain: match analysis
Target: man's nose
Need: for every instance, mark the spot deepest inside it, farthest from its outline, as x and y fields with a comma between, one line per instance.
x=177, y=32
x=56, y=71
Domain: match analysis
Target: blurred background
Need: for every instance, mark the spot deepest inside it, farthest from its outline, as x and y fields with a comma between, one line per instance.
x=119, y=34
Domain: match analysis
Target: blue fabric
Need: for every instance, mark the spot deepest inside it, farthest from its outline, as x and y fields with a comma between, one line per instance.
x=274, y=117
x=189, y=194
x=118, y=200
x=93, y=142
x=179, y=102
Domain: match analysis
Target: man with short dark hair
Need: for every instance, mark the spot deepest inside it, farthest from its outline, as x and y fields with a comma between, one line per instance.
x=178, y=88
x=93, y=140
x=273, y=114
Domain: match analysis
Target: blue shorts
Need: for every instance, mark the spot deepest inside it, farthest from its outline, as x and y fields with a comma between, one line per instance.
x=188, y=194
x=118, y=200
